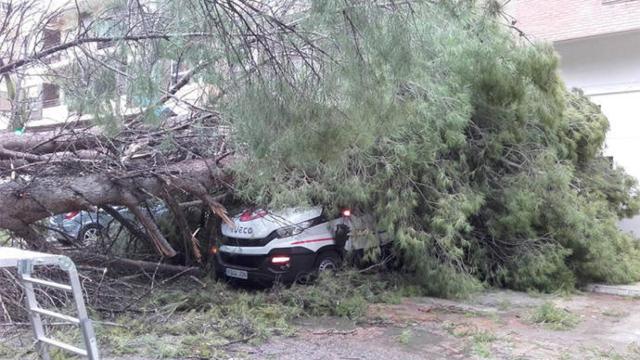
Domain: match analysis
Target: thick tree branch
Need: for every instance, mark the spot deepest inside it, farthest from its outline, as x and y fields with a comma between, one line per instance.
x=26, y=203
x=181, y=220
x=130, y=226
x=198, y=189
x=132, y=265
x=13, y=66
x=154, y=233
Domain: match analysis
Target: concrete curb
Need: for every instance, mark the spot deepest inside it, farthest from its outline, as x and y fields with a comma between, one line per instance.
x=621, y=290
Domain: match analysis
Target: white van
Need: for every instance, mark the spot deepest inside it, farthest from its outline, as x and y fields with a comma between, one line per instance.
x=290, y=244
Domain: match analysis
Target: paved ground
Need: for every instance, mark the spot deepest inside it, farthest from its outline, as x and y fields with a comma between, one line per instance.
x=493, y=325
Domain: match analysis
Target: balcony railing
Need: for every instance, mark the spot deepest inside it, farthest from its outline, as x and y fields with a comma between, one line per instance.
x=51, y=59
x=48, y=103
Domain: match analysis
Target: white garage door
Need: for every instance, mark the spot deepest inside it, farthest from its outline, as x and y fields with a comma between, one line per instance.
x=623, y=139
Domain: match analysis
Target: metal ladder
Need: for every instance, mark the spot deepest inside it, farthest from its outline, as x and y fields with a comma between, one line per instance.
x=25, y=270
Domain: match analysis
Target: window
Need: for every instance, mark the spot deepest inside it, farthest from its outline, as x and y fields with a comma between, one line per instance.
x=50, y=95
x=51, y=38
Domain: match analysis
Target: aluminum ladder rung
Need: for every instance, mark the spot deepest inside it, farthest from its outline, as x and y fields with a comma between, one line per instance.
x=46, y=283
x=64, y=346
x=56, y=315
x=25, y=269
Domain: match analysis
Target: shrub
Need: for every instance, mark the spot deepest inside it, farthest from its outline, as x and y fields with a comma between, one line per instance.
x=553, y=317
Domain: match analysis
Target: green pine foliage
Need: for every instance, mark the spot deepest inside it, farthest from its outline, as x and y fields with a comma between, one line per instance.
x=463, y=143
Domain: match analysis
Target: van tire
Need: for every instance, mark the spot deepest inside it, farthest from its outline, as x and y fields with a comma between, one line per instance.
x=327, y=261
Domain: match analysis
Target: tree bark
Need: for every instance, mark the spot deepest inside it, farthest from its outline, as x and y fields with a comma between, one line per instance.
x=133, y=265
x=158, y=240
x=45, y=142
x=199, y=189
x=24, y=203
x=183, y=226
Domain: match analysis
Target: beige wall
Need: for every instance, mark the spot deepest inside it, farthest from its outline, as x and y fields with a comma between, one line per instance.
x=4, y=103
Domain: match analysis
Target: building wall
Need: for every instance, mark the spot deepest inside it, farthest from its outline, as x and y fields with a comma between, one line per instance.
x=607, y=69
x=602, y=65
x=623, y=139
x=557, y=20
x=5, y=105
x=598, y=42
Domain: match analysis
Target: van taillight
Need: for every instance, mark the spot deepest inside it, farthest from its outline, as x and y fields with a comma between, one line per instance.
x=71, y=215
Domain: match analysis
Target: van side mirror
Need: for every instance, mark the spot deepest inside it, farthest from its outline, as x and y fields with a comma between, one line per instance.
x=341, y=236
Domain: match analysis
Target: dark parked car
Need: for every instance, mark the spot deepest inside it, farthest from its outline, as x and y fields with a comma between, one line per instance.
x=85, y=227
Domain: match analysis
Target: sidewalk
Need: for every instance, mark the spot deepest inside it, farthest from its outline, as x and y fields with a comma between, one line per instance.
x=621, y=290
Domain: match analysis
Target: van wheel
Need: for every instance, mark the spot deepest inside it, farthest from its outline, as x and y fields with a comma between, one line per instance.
x=327, y=261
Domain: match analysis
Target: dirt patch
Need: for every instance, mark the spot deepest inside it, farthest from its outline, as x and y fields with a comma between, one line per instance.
x=493, y=324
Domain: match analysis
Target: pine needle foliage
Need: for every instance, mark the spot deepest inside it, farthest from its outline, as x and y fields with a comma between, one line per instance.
x=463, y=143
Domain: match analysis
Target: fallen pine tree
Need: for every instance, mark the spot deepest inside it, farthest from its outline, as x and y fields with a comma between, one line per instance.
x=461, y=140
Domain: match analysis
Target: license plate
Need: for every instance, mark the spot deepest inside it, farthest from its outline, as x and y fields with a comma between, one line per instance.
x=239, y=274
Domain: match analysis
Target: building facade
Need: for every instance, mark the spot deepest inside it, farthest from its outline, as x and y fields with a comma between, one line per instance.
x=598, y=42
x=37, y=98
x=40, y=101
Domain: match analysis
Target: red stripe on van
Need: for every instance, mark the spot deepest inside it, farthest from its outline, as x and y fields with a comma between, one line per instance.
x=310, y=241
